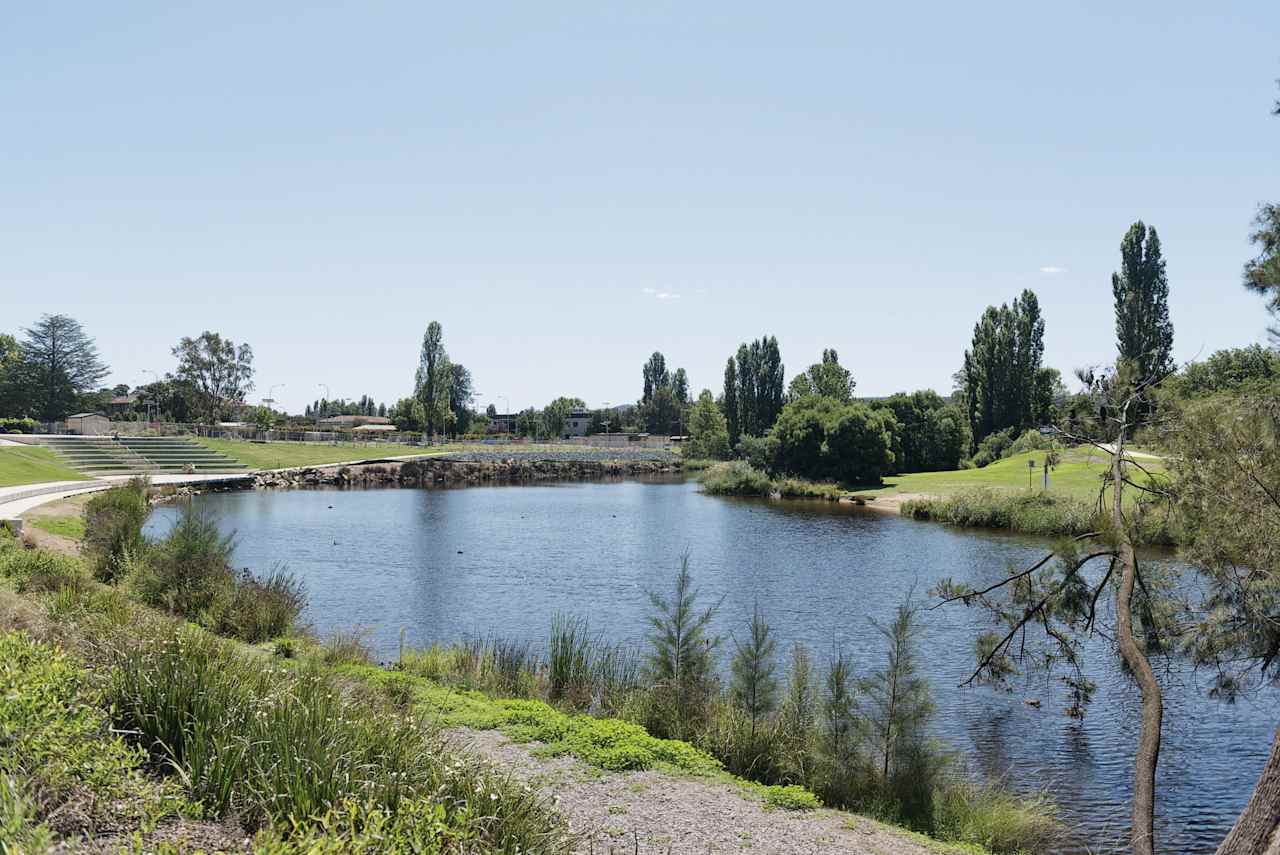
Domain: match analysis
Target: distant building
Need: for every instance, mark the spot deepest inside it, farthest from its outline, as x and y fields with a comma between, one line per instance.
x=577, y=423
x=121, y=404
x=502, y=423
x=89, y=424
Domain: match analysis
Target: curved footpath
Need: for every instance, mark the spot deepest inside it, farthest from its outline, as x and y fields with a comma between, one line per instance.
x=657, y=813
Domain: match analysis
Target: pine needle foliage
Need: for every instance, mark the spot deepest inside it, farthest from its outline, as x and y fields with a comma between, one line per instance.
x=681, y=650
x=896, y=698
x=754, y=687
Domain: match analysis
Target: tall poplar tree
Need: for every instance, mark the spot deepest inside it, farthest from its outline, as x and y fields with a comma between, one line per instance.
x=433, y=379
x=730, y=403
x=760, y=385
x=1144, y=333
x=999, y=375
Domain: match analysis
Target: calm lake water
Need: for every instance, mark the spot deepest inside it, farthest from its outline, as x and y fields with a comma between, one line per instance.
x=447, y=564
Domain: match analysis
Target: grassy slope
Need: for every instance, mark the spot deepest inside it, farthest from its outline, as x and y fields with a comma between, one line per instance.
x=1078, y=476
x=280, y=455
x=33, y=465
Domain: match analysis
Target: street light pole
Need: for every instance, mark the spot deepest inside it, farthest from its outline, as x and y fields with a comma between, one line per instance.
x=149, y=403
x=324, y=400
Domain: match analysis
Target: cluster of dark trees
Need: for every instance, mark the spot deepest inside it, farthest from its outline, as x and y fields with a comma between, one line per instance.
x=754, y=389
x=816, y=429
x=664, y=402
x=365, y=406
x=55, y=369
x=51, y=373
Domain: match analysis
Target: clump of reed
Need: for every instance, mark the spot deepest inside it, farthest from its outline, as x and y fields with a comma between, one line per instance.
x=285, y=748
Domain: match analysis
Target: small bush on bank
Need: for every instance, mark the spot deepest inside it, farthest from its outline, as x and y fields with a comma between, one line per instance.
x=736, y=478
x=188, y=573
x=992, y=817
x=113, y=522
x=791, y=797
x=263, y=608
x=34, y=571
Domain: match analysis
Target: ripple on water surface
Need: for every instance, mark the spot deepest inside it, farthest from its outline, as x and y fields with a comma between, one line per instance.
x=446, y=564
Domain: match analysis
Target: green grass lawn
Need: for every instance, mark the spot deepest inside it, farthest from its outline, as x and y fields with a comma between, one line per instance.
x=281, y=455
x=29, y=464
x=1078, y=475
x=65, y=526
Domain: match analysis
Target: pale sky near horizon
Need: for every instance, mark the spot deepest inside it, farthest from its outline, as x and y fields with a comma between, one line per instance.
x=568, y=187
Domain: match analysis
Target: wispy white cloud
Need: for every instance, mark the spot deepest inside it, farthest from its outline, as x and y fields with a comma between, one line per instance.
x=667, y=295
x=650, y=290
x=1051, y=269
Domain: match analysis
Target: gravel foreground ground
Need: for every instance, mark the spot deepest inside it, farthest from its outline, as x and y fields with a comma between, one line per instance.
x=653, y=813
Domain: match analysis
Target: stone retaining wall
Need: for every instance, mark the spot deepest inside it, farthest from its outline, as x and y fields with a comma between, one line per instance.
x=445, y=472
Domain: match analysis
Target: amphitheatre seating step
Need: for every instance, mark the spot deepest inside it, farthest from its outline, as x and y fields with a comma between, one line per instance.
x=109, y=456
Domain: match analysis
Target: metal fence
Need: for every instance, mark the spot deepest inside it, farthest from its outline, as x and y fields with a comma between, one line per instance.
x=249, y=433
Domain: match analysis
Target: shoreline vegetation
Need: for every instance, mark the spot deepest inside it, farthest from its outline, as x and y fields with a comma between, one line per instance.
x=160, y=664
x=987, y=497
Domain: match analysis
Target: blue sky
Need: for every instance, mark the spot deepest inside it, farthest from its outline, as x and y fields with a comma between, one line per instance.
x=567, y=187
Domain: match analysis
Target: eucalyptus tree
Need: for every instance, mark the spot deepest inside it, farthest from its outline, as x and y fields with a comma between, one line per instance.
x=217, y=370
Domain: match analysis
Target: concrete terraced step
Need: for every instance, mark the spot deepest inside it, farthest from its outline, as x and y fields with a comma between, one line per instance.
x=98, y=455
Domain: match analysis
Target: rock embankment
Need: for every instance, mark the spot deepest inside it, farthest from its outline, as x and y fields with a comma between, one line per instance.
x=447, y=472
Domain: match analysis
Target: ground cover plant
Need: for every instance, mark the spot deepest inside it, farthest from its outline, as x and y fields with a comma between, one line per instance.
x=28, y=464
x=63, y=765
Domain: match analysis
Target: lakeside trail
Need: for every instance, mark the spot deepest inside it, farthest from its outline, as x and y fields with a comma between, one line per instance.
x=657, y=813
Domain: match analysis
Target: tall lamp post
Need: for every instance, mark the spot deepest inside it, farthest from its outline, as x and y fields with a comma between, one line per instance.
x=324, y=400
x=153, y=394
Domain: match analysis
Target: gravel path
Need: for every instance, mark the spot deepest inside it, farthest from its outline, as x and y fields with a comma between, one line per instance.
x=653, y=813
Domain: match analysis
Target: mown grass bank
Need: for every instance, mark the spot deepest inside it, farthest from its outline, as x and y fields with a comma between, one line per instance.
x=284, y=455
x=29, y=464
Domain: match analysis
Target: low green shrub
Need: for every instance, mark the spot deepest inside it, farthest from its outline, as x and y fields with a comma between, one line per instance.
x=21, y=832
x=791, y=797
x=1037, y=513
x=188, y=573
x=60, y=755
x=263, y=608
x=798, y=488
x=39, y=571
x=286, y=747
x=113, y=522
x=18, y=425
x=347, y=648
x=736, y=478
x=993, y=818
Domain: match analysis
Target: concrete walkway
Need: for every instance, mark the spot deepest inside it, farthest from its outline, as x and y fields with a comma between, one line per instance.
x=15, y=501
